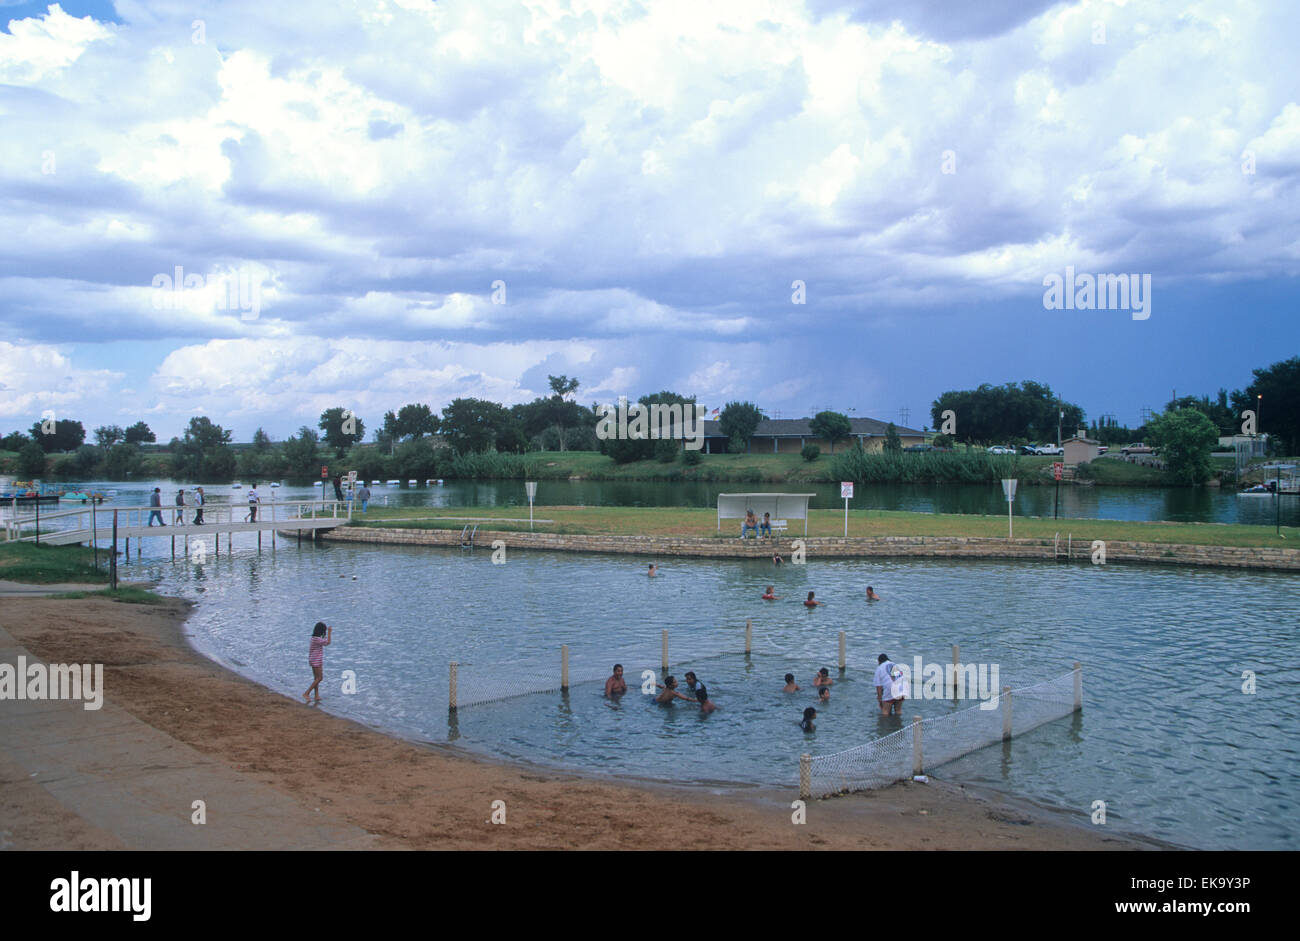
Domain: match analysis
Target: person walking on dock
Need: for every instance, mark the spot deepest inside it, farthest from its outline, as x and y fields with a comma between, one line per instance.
x=155, y=500
x=253, y=501
x=180, y=507
x=198, y=506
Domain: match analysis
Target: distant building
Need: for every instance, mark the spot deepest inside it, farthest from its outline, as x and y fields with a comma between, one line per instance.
x=789, y=435
x=1079, y=450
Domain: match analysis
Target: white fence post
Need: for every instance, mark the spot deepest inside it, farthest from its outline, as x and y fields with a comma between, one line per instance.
x=749, y=635
x=805, y=777
x=451, y=698
x=1078, y=686
x=956, y=667
x=1006, y=713
x=663, y=644
x=564, y=666
x=918, y=764
x=843, y=650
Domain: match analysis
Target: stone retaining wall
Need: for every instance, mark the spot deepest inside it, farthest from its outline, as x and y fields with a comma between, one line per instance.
x=960, y=547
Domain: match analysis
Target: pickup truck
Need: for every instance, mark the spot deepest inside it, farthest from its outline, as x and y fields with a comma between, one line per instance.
x=1051, y=449
x=1138, y=448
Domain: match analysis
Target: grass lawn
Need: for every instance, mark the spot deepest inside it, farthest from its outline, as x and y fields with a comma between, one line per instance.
x=677, y=521
x=47, y=565
x=123, y=594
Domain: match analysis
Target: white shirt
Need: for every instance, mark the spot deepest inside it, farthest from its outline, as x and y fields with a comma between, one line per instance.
x=253, y=497
x=883, y=679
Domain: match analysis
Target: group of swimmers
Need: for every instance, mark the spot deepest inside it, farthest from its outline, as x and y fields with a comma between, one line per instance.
x=617, y=686
x=811, y=601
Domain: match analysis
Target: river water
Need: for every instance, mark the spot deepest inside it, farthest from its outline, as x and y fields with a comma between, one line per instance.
x=1175, y=504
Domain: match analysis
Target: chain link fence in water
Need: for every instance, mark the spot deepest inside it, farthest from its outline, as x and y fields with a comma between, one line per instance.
x=928, y=743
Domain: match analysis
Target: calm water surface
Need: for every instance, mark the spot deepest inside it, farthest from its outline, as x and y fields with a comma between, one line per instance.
x=1167, y=737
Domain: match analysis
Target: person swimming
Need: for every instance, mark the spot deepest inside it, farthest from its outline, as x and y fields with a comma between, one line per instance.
x=653, y=571
x=616, y=685
x=871, y=594
x=824, y=695
x=810, y=603
x=670, y=692
x=769, y=594
x=776, y=558
x=807, y=724
x=702, y=697
x=823, y=678
x=790, y=685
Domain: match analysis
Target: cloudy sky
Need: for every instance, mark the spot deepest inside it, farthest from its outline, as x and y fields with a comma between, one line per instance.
x=428, y=200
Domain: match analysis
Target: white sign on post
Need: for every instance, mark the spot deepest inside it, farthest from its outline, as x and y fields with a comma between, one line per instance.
x=531, y=487
x=846, y=491
x=1009, y=488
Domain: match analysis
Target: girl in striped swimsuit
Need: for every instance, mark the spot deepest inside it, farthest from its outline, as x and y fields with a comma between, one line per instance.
x=320, y=639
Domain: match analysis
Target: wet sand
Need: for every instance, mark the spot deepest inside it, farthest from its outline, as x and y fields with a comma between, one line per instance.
x=273, y=763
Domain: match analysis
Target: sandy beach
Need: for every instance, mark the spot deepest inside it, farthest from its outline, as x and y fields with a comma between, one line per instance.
x=275, y=773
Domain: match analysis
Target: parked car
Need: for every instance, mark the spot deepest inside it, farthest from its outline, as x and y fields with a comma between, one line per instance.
x=1103, y=449
x=1051, y=449
x=1028, y=449
x=1002, y=449
x=1138, y=448
x=913, y=448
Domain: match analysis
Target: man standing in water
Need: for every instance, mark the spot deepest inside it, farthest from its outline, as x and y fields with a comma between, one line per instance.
x=884, y=688
x=616, y=685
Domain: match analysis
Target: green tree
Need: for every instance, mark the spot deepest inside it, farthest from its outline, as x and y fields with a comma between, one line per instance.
x=66, y=435
x=204, y=452
x=300, y=453
x=1279, y=410
x=342, y=429
x=1184, y=439
x=122, y=461
x=470, y=424
x=261, y=440
x=738, y=421
x=139, y=433
x=13, y=441
x=108, y=435
x=1028, y=410
x=832, y=426
x=31, y=460
x=415, y=421
x=892, y=442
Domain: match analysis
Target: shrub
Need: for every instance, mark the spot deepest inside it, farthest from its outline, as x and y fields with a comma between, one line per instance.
x=666, y=451
x=810, y=452
x=690, y=458
x=1084, y=471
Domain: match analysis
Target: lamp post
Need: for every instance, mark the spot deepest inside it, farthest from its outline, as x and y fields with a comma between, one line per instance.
x=1259, y=410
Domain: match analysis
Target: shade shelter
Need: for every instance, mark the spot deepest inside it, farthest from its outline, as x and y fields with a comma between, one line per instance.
x=782, y=506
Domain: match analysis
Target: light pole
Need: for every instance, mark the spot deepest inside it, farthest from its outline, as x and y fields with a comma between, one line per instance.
x=1259, y=410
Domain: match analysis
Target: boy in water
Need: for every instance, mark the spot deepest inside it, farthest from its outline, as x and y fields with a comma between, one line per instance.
x=807, y=724
x=770, y=594
x=823, y=678
x=670, y=692
x=616, y=685
x=790, y=685
x=653, y=571
x=871, y=594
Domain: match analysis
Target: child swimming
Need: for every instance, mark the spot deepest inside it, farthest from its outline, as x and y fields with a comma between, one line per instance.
x=320, y=639
x=807, y=724
x=871, y=594
x=653, y=571
x=810, y=603
x=702, y=697
x=823, y=678
x=770, y=595
x=790, y=685
x=824, y=695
